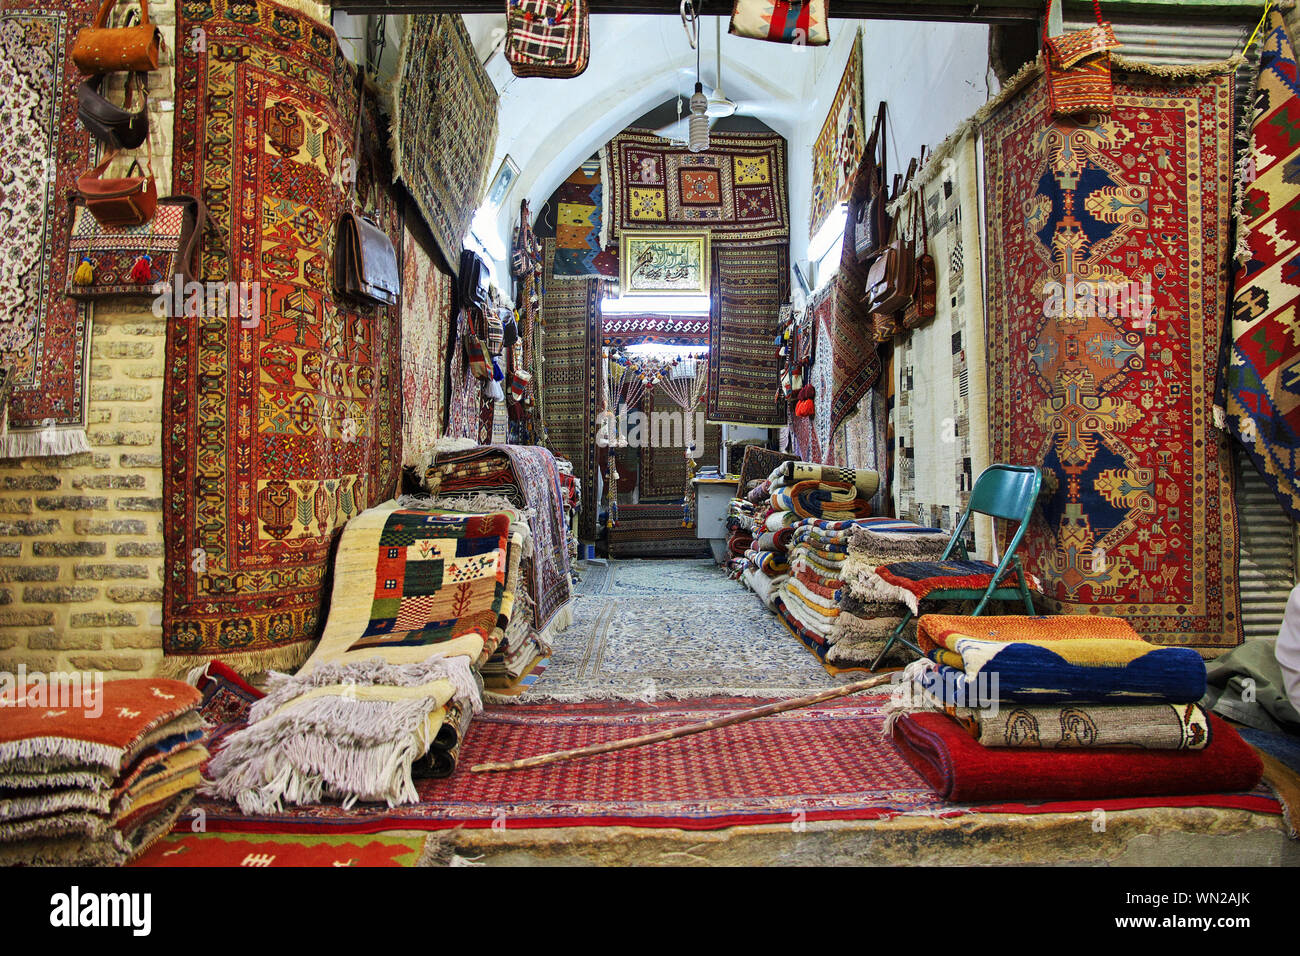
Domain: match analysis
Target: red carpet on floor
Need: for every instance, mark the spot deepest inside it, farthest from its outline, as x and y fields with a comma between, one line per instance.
x=821, y=763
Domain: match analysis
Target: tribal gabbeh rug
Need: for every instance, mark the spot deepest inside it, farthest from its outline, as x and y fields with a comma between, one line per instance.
x=750, y=284
x=426, y=324
x=942, y=413
x=274, y=433
x=44, y=335
x=578, y=204
x=1111, y=393
x=828, y=762
x=571, y=311
x=838, y=147
x=1262, y=375
x=736, y=189
x=264, y=850
x=444, y=126
x=531, y=470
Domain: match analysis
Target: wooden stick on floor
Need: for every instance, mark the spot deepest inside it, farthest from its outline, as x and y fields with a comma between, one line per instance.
x=740, y=717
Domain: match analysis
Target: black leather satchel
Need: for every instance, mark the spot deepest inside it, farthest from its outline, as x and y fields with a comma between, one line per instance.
x=118, y=126
x=475, y=281
x=365, y=263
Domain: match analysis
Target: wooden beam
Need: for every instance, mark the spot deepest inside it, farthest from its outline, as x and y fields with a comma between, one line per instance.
x=965, y=11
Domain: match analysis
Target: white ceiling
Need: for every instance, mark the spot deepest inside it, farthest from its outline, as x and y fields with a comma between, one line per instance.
x=637, y=62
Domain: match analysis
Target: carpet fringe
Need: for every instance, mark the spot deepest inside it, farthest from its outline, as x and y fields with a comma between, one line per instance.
x=40, y=443
x=248, y=664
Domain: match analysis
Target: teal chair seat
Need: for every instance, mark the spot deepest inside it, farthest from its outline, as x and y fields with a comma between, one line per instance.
x=1008, y=492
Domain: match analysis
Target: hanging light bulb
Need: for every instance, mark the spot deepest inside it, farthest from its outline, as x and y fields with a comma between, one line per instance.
x=698, y=140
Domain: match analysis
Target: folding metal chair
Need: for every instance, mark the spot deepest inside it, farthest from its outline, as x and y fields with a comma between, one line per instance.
x=1002, y=491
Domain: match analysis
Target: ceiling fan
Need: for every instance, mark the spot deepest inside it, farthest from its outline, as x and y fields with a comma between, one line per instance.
x=716, y=102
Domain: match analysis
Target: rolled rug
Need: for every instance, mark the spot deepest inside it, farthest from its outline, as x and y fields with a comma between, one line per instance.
x=822, y=499
x=1058, y=659
x=959, y=769
x=867, y=483
x=763, y=585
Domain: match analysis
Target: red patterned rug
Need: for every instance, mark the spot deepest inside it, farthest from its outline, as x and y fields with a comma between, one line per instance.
x=276, y=431
x=263, y=850
x=1137, y=517
x=44, y=335
x=828, y=762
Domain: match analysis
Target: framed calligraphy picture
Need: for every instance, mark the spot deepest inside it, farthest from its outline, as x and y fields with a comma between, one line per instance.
x=664, y=262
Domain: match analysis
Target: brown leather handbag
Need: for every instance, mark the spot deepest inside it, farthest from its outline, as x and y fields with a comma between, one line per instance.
x=924, y=302
x=129, y=200
x=871, y=219
x=118, y=126
x=100, y=48
x=892, y=276
x=365, y=263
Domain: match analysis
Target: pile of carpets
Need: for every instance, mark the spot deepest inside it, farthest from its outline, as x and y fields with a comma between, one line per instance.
x=92, y=773
x=740, y=533
x=867, y=618
x=1059, y=708
x=422, y=596
x=528, y=482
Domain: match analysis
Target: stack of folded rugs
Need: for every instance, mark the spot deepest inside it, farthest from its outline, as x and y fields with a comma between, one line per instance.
x=422, y=598
x=530, y=484
x=740, y=532
x=867, y=616
x=1060, y=708
x=91, y=774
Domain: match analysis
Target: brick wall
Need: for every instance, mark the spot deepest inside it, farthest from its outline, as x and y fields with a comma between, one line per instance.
x=81, y=537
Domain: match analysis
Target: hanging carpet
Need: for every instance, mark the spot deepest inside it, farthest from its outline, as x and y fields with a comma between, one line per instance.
x=571, y=311
x=750, y=284
x=444, y=126
x=736, y=189
x=44, y=335
x=838, y=147
x=578, y=204
x=1137, y=517
x=426, y=327
x=275, y=435
x=1262, y=378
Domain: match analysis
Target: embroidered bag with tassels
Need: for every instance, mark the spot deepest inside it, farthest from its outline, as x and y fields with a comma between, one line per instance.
x=134, y=260
x=1078, y=67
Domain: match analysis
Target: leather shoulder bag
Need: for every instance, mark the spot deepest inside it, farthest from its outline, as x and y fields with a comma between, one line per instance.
x=365, y=262
x=924, y=302
x=892, y=275
x=100, y=48
x=128, y=200
x=119, y=127
x=871, y=219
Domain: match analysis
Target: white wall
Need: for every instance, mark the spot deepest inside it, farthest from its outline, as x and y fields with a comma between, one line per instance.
x=933, y=76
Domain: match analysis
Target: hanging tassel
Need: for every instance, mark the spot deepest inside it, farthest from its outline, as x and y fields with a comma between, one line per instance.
x=142, y=269
x=85, y=274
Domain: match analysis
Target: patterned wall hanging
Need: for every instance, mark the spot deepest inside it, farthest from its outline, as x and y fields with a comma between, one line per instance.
x=737, y=189
x=1262, y=377
x=578, y=207
x=275, y=433
x=942, y=384
x=44, y=336
x=838, y=147
x=1114, y=403
x=750, y=284
x=571, y=311
x=426, y=325
x=444, y=126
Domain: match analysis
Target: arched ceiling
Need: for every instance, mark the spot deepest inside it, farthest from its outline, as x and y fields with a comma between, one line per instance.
x=548, y=127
